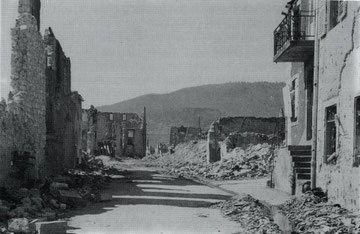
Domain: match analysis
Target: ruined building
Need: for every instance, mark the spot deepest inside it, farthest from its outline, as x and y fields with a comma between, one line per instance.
x=114, y=134
x=63, y=108
x=23, y=129
x=183, y=134
x=243, y=131
x=320, y=40
x=26, y=134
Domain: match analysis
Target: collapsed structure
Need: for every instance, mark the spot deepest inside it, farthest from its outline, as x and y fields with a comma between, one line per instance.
x=114, y=134
x=40, y=123
x=322, y=99
x=242, y=131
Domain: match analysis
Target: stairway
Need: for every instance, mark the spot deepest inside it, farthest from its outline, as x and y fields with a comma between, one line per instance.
x=301, y=158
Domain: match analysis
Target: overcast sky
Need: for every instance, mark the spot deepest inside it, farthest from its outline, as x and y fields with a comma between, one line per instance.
x=121, y=49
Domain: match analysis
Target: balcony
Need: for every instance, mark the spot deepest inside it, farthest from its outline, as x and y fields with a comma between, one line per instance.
x=294, y=38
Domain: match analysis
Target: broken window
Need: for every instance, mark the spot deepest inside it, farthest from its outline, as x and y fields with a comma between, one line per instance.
x=293, y=101
x=130, y=138
x=330, y=133
x=131, y=133
x=357, y=132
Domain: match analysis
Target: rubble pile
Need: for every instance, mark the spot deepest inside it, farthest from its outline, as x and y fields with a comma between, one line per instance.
x=189, y=159
x=50, y=200
x=250, y=213
x=311, y=213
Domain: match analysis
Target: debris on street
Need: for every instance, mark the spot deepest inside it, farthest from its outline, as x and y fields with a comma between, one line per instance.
x=189, y=159
x=311, y=213
x=19, y=207
x=253, y=216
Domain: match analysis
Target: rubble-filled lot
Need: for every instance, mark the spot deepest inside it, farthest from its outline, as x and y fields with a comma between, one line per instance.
x=250, y=213
x=189, y=159
x=310, y=213
x=21, y=208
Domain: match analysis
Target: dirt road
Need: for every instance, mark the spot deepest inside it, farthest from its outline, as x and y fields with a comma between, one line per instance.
x=145, y=201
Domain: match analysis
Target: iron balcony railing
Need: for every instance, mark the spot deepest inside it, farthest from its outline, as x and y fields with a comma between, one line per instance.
x=294, y=27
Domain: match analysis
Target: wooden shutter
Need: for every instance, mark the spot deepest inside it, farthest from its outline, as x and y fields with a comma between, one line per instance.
x=322, y=18
x=342, y=9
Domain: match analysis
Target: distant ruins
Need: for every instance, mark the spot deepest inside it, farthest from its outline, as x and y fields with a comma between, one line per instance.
x=114, y=134
x=183, y=134
x=40, y=123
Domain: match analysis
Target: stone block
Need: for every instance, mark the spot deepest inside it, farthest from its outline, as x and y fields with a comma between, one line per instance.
x=59, y=186
x=54, y=227
x=19, y=225
x=71, y=198
x=103, y=197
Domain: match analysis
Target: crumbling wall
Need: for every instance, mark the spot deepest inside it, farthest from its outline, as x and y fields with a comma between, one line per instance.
x=255, y=128
x=88, y=130
x=225, y=126
x=339, y=84
x=63, y=109
x=32, y=7
x=23, y=126
x=76, y=129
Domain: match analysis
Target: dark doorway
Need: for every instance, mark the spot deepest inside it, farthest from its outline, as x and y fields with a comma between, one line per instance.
x=309, y=86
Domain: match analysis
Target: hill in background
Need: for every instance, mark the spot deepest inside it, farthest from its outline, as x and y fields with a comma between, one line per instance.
x=209, y=102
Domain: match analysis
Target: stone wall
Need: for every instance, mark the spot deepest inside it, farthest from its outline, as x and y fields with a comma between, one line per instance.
x=23, y=126
x=7, y=138
x=63, y=109
x=41, y=123
x=225, y=126
x=88, y=130
x=31, y=7
x=339, y=72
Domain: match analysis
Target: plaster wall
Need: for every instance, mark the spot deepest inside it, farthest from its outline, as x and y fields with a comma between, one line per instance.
x=282, y=172
x=339, y=68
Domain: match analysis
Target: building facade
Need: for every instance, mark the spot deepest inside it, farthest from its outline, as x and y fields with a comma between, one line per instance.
x=320, y=41
x=23, y=129
x=63, y=109
x=41, y=120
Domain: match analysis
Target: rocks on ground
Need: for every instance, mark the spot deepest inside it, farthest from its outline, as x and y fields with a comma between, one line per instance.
x=19, y=207
x=311, y=213
x=250, y=213
x=189, y=159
